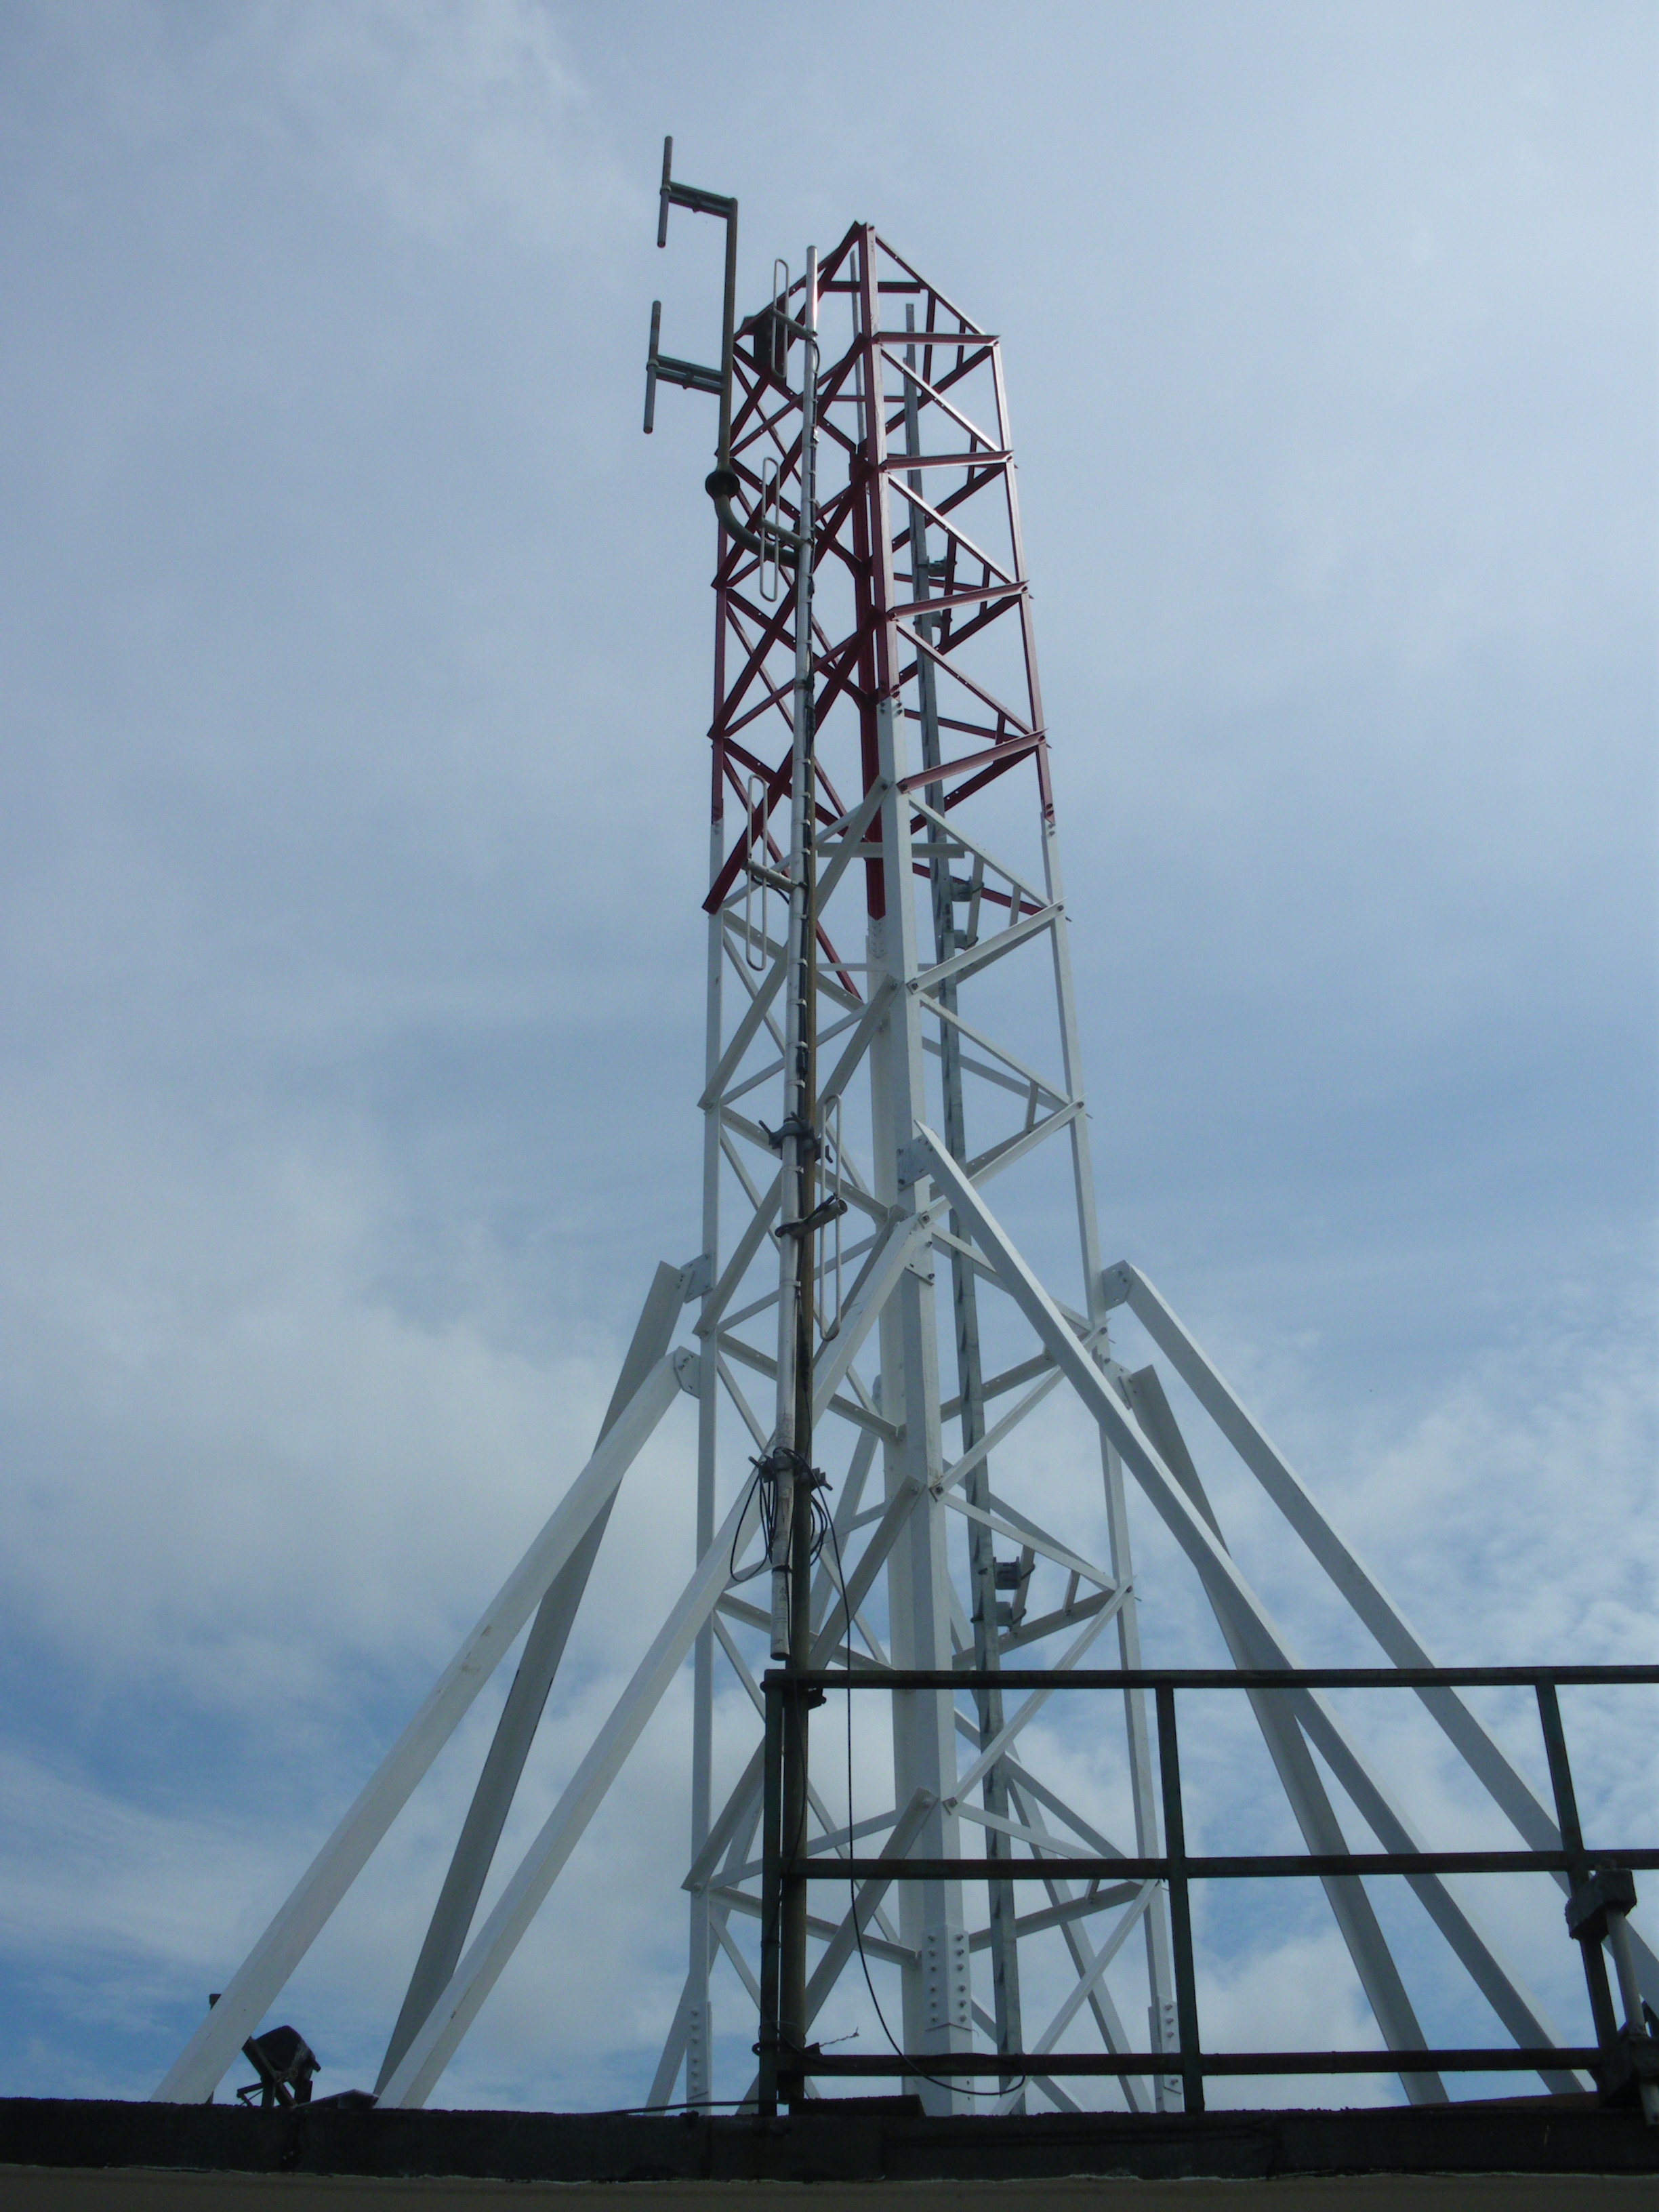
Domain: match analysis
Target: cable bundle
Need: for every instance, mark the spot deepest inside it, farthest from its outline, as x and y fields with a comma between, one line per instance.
x=811, y=1480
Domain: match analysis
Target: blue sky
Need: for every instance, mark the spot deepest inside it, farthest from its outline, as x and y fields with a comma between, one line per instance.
x=355, y=668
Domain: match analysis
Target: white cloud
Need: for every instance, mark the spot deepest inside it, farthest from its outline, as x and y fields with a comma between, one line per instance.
x=245, y=1463
x=453, y=114
x=356, y=646
x=451, y=117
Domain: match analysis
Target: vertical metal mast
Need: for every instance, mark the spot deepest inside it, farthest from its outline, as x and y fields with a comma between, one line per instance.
x=938, y=2001
x=797, y=1142
x=793, y=1474
x=698, y=2019
x=985, y=1575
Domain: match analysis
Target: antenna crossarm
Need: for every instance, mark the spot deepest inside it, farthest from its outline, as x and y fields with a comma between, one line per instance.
x=722, y=482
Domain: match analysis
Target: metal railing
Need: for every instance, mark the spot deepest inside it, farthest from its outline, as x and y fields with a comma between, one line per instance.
x=1624, y=2060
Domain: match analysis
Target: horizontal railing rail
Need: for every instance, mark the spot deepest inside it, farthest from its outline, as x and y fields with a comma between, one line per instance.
x=1624, y=2061
x=1235, y=1868
x=1214, y=1678
x=1509, y=2059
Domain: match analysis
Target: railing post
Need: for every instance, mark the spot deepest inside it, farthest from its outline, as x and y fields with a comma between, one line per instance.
x=1572, y=1842
x=1181, y=1918
x=771, y=1896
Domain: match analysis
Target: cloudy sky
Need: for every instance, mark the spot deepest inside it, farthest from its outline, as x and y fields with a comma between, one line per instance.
x=354, y=653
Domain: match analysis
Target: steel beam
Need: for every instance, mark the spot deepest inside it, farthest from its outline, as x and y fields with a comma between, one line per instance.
x=1231, y=1594
x=1357, y=1585
x=480, y=1968
x=1298, y=1776
x=252, y=1989
x=515, y=1731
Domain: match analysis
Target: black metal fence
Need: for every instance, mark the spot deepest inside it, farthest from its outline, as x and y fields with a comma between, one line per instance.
x=1622, y=2060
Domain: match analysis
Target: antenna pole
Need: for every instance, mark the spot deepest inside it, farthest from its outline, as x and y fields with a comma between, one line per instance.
x=792, y=1458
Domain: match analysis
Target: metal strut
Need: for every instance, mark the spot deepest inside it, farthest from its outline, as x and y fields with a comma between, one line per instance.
x=799, y=1214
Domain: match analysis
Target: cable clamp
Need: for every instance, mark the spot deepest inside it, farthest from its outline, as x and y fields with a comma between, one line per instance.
x=792, y=1126
x=828, y=1210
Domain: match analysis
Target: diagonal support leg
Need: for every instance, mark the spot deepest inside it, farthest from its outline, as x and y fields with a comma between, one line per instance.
x=436, y=2041
x=515, y=1731
x=1232, y=1597
x=1125, y=1284
x=673, y=2050
x=252, y=1989
x=1299, y=1778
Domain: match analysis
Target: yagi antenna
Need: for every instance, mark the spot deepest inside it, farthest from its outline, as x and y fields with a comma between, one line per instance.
x=723, y=483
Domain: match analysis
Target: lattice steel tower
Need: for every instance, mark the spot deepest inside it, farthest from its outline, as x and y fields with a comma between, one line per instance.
x=890, y=984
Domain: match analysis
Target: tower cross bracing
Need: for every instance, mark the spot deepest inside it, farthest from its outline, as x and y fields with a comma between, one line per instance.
x=889, y=1284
